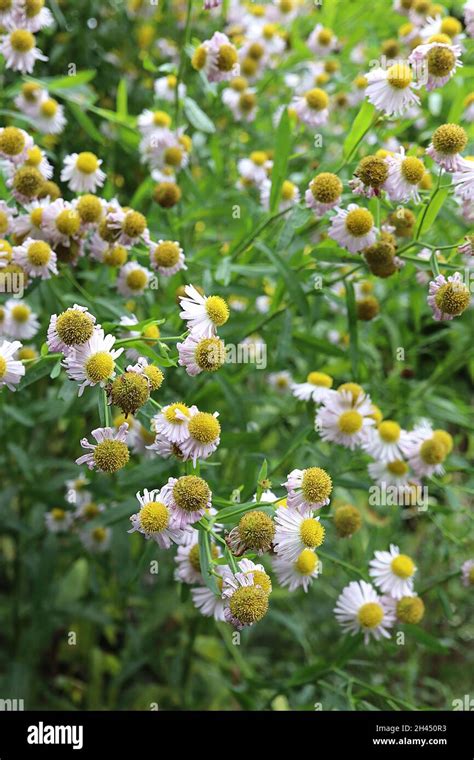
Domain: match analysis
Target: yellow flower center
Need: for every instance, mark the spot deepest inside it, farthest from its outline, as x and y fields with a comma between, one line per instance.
x=137, y=279
x=33, y=7
x=389, y=431
x=170, y=413
x=350, y=422
x=74, y=327
x=115, y=256
x=58, y=514
x=3, y=225
x=210, y=354
x=399, y=76
x=256, y=529
x=255, y=51
x=247, y=103
x=326, y=187
x=134, y=224
x=449, y=139
x=451, y=26
x=317, y=99
x=320, y=379
x=347, y=520
x=154, y=517
x=22, y=41
x=403, y=566
x=173, y=156
x=155, y=376
x=370, y=615
x=397, y=467
x=316, y=485
x=99, y=535
x=432, y=451
x=166, y=254
x=130, y=391
x=49, y=108
x=306, y=562
x=227, y=58
x=28, y=181
x=412, y=170
x=39, y=253
x=3, y=366
x=199, y=58
x=249, y=604
x=111, y=455
x=68, y=222
x=410, y=609
x=191, y=493
x=325, y=36
x=311, y=532
x=91, y=510
x=89, y=208
x=359, y=222
x=21, y=313
x=171, y=81
x=453, y=298
x=161, y=119
x=87, y=162
x=99, y=366
x=239, y=84
x=204, y=427
x=445, y=439
x=217, y=310
x=440, y=61
x=12, y=141
x=372, y=171
x=259, y=157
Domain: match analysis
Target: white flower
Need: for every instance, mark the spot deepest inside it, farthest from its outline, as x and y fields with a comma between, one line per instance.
x=242, y=102
x=405, y=174
x=190, y=498
x=309, y=488
x=110, y=451
x=468, y=572
x=280, y=381
x=206, y=601
x=94, y=362
x=296, y=530
x=82, y=172
x=20, y=321
x=312, y=107
x=204, y=314
x=33, y=16
x=201, y=354
x=391, y=90
x=353, y=228
x=322, y=41
x=424, y=452
x=315, y=388
x=393, y=473
x=393, y=572
x=77, y=322
x=245, y=601
x=49, y=116
x=133, y=279
x=203, y=435
x=290, y=195
x=255, y=169
x=220, y=58
x=167, y=257
x=8, y=220
x=360, y=609
x=11, y=371
x=96, y=540
x=438, y=60
x=342, y=420
x=172, y=422
x=300, y=572
x=58, y=520
x=36, y=257
x=188, y=561
x=156, y=519
x=14, y=145
x=154, y=124
x=386, y=441
x=165, y=88
x=463, y=180
x=60, y=222
x=449, y=297
x=19, y=50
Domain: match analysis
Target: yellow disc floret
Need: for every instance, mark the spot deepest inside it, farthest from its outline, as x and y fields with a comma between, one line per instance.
x=249, y=604
x=449, y=139
x=326, y=187
x=210, y=354
x=217, y=310
x=389, y=431
x=347, y=520
x=74, y=327
x=403, y=566
x=350, y=422
x=311, y=532
x=256, y=530
x=111, y=455
x=316, y=485
x=204, y=427
x=320, y=379
x=154, y=517
x=191, y=493
x=359, y=222
x=410, y=609
x=306, y=562
x=370, y=615
x=12, y=141
x=39, y=253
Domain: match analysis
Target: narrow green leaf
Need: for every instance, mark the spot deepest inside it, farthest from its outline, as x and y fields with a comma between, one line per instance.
x=359, y=128
x=197, y=117
x=294, y=288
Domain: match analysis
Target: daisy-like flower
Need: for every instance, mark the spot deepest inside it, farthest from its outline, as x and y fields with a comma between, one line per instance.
x=82, y=172
x=343, y=420
x=93, y=362
x=36, y=257
x=393, y=572
x=299, y=573
x=201, y=354
x=11, y=370
x=360, y=609
x=33, y=15
x=255, y=169
x=165, y=449
x=467, y=570
x=386, y=441
x=58, y=520
x=61, y=222
x=315, y=388
x=296, y=530
x=76, y=490
x=308, y=489
x=463, y=179
x=129, y=225
x=189, y=498
x=204, y=314
x=49, y=117
x=447, y=143
x=405, y=175
x=96, y=540
x=391, y=90
x=133, y=279
x=254, y=532
x=8, y=219
x=392, y=473
x=280, y=381
x=312, y=107
x=72, y=328
x=155, y=128
x=18, y=47
x=29, y=97
x=156, y=519
x=447, y=26
x=14, y=145
x=37, y=158
x=290, y=195
x=109, y=453
x=426, y=449
x=242, y=104
x=203, y=435
x=217, y=58
x=439, y=60
x=353, y=228
x=322, y=41
x=245, y=599
x=86, y=509
x=206, y=601
x=166, y=257
x=324, y=193
x=165, y=88
x=449, y=297
x=20, y=321
x=172, y=422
